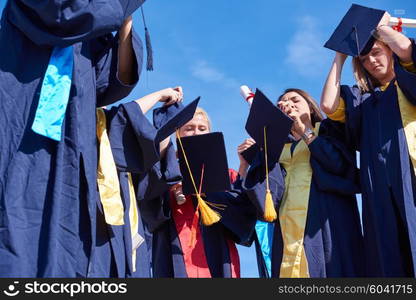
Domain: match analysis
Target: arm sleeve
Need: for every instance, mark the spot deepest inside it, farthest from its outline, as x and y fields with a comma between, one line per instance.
x=339, y=113
x=410, y=67
x=333, y=163
x=329, y=148
x=406, y=78
x=153, y=200
x=352, y=98
x=108, y=85
x=153, y=190
x=132, y=138
x=348, y=184
x=238, y=217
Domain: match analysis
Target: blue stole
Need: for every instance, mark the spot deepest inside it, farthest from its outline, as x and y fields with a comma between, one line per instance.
x=54, y=94
x=264, y=231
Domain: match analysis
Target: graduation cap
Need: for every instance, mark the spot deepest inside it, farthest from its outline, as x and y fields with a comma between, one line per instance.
x=204, y=168
x=169, y=118
x=354, y=35
x=265, y=117
x=269, y=127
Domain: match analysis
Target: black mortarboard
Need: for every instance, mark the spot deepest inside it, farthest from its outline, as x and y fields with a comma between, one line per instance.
x=206, y=157
x=265, y=116
x=167, y=119
x=269, y=127
x=354, y=35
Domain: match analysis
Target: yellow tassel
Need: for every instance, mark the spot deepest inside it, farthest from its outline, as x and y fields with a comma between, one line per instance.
x=270, y=214
x=208, y=215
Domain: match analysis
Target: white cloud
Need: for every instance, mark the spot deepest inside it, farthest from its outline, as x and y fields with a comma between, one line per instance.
x=306, y=53
x=204, y=71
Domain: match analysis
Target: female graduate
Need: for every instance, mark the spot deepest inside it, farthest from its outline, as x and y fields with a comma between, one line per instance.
x=59, y=61
x=127, y=149
x=182, y=246
x=379, y=113
x=317, y=229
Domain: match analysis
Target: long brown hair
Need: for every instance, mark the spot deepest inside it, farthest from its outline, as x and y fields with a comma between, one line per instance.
x=316, y=115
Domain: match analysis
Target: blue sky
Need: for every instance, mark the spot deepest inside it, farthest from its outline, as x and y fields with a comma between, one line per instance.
x=210, y=48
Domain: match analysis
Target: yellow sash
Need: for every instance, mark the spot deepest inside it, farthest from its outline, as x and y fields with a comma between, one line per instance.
x=107, y=178
x=134, y=221
x=408, y=114
x=294, y=209
x=109, y=188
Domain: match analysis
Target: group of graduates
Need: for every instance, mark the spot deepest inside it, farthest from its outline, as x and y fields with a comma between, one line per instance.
x=89, y=191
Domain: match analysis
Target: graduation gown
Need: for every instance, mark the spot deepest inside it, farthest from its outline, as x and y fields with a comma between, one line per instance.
x=330, y=249
x=182, y=247
x=374, y=123
x=48, y=190
x=131, y=137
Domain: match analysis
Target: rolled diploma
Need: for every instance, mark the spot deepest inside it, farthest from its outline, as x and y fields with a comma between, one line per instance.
x=411, y=23
x=247, y=94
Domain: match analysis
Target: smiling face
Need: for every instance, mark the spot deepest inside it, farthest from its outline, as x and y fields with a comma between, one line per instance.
x=198, y=125
x=379, y=62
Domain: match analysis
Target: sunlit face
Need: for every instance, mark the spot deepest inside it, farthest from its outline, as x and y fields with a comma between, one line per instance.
x=198, y=125
x=295, y=102
x=378, y=62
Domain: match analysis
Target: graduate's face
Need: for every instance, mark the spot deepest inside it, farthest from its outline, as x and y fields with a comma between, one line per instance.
x=198, y=125
x=293, y=102
x=378, y=62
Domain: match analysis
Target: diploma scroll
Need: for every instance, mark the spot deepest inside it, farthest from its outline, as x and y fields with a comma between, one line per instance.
x=247, y=94
x=410, y=23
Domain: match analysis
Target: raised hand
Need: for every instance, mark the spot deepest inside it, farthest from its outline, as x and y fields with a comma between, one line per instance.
x=242, y=170
x=171, y=95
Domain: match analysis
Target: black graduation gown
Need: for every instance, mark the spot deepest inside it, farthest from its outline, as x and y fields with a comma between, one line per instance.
x=48, y=190
x=332, y=249
x=374, y=127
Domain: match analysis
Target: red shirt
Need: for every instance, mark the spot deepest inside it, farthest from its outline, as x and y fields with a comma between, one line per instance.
x=186, y=221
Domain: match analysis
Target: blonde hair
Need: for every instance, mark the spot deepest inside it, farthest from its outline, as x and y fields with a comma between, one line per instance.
x=204, y=114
